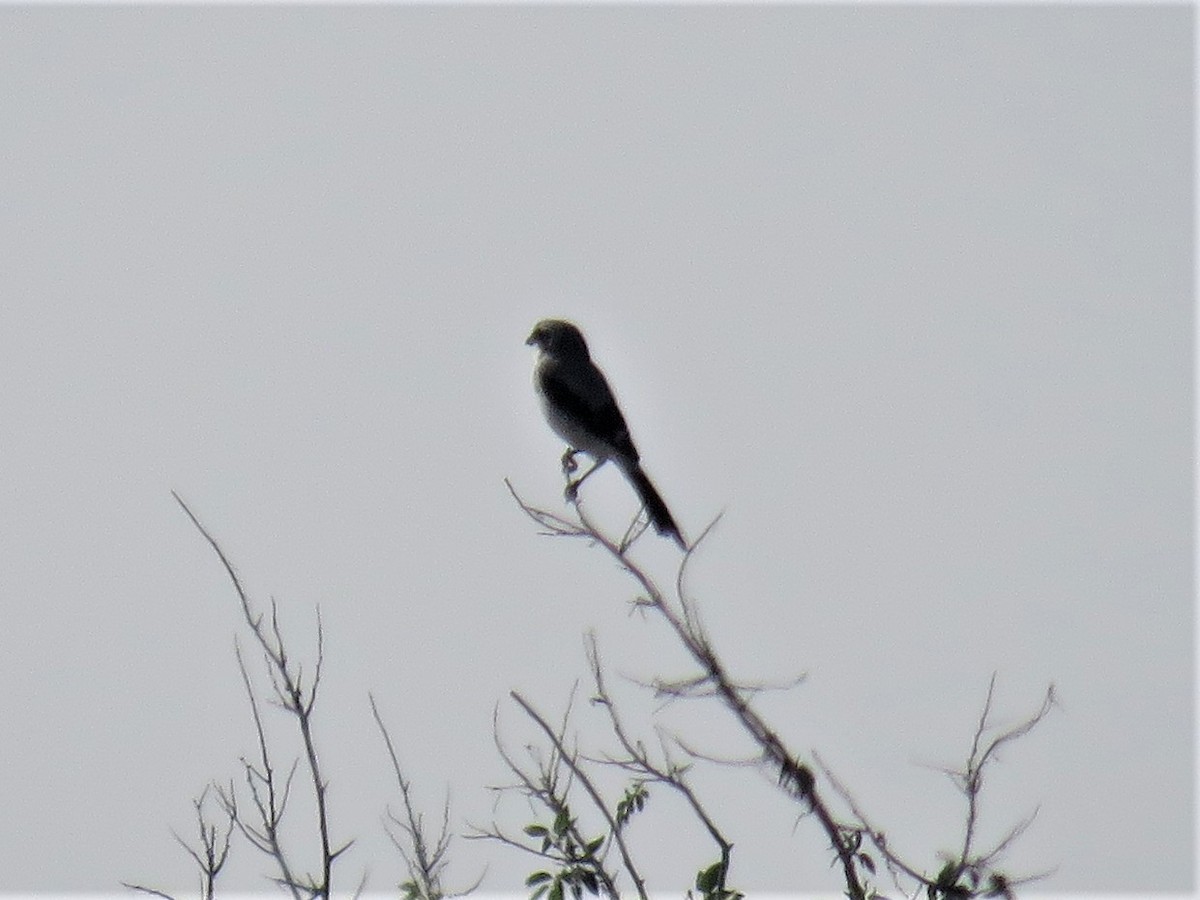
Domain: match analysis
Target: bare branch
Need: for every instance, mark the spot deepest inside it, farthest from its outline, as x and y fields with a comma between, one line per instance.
x=795, y=778
x=287, y=680
x=212, y=853
x=639, y=761
x=425, y=861
x=876, y=835
x=154, y=892
x=976, y=867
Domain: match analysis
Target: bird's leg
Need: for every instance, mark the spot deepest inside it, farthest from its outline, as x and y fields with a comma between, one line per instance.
x=568, y=461
x=573, y=486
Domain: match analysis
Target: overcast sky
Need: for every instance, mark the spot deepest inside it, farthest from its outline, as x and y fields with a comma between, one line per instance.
x=904, y=293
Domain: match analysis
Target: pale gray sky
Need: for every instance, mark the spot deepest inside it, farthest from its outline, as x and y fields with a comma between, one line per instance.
x=905, y=292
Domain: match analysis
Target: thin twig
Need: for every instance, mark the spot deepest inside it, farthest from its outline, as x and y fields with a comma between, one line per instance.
x=288, y=683
x=639, y=761
x=794, y=777
x=425, y=863
x=569, y=759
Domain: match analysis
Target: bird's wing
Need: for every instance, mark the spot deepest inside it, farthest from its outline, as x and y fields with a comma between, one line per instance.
x=581, y=393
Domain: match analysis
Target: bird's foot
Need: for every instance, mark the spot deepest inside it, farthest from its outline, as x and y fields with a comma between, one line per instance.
x=571, y=491
x=568, y=461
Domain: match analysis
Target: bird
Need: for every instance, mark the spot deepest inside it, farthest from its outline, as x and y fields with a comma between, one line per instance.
x=581, y=409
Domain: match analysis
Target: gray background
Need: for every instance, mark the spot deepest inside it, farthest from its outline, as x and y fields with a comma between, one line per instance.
x=904, y=292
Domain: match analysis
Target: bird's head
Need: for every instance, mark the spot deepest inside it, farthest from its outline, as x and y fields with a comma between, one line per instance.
x=558, y=338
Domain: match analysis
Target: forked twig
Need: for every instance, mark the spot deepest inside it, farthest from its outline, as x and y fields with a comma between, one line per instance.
x=297, y=699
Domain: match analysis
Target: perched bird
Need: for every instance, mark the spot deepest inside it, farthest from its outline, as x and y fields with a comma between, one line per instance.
x=581, y=409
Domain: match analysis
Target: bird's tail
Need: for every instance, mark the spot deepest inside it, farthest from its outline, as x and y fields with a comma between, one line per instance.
x=660, y=516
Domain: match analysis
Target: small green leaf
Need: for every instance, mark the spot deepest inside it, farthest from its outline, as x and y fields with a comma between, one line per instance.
x=536, y=830
x=537, y=878
x=708, y=879
x=562, y=822
x=945, y=878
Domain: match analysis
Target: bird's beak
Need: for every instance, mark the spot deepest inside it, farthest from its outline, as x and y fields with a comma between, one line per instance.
x=531, y=340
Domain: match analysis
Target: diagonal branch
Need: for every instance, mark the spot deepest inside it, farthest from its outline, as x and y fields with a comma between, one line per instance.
x=795, y=778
